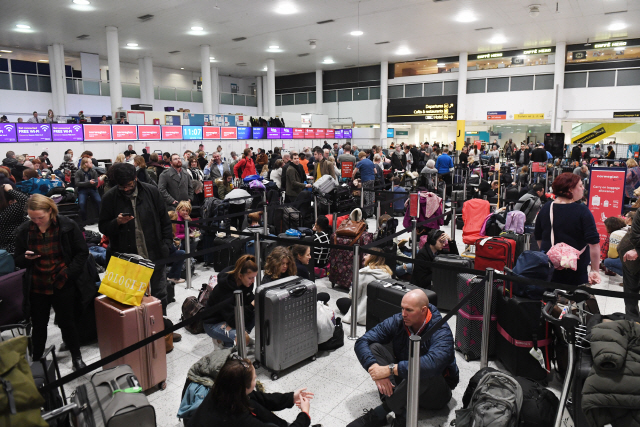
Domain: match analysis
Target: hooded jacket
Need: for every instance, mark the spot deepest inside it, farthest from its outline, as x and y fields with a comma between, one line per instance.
x=223, y=301
x=366, y=276
x=422, y=273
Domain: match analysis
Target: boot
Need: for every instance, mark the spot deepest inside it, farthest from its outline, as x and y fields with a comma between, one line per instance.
x=78, y=363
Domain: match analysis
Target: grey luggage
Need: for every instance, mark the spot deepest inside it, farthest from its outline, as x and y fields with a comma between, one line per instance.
x=114, y=398
x=444, y=282
x=286, y=323
x=324, y=184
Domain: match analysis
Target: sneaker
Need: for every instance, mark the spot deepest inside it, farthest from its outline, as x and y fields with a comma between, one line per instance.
x=369, y=419
x=176, y=337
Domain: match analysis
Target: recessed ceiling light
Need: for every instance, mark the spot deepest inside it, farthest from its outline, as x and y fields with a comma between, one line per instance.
x=265, y=69
x=466, y=16
x=6, y=51
x=356, y=33
x=83, y=2
x=182, y=68
x=274, y=47
x=132, y=44
x=440, y=64
x=617, y=26
x=328, y=61
x=403, y=51
x=286, y=8
x=197, y=28
x=498, y=39
x=43, y=60
x=23, y=27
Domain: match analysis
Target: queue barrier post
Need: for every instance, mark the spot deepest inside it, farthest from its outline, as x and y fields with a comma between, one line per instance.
x=413, y=385
x=353, y=333
x=378, y=210
x=334, y=223
x=444, y=194
x=187, y=246
x=239, y=316
x=453, y=218
x=265, y=220
x=361, y=195
x=464, y=189
x=315, y=208
x=256, y=245
x=414, y=238
x=486, y=318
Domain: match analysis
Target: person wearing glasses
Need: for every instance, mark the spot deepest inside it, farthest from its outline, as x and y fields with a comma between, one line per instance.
x=233, y=401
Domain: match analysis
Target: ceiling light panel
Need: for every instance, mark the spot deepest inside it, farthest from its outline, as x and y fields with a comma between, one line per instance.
x=466, y=16
x=617, y=26
x=286, y=8
x=356, y=33
x=328, y=61
x=132, y=44
x=197, y=28
x=82, y=2
x=23, y=26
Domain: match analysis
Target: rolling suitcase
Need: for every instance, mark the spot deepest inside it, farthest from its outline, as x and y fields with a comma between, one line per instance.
x=520, y=328
x=384, y=298
x=443, y=282
x=495, y=252
x=469, y=318
x=226, y=257
x=11, y=298
x=286, y=323
x=521, y=242
x=341, y=260
x=114, y=398
x=120, y=326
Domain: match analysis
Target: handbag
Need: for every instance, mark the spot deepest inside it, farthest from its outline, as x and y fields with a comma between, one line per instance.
x=127, y=278
x=350, y=228
x=562, y=255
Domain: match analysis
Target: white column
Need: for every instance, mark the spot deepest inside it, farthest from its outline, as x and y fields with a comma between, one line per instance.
x=113, y=60
x=205, y=67
x=384, y=94
x=58, y=52
x=265, y=96
x=141, y=80
x=462, y=100
x=558, y=87
x=319, y=100
x=215, y=90
x=148, y=80
x=271, y=86
x=259, y=95
x=53, y=74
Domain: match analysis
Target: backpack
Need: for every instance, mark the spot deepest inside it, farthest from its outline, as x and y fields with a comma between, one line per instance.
x=213, y=207
x=191, y=307
x=529, y=204
x=7, y=264
x=532, y=265
x=515, y=222
x=496, y=402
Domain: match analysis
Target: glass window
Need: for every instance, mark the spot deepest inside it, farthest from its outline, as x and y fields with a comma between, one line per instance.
x=521, y=83
x=5, y=81
x=424, y=67
x=105, y=90
x=252, y=101
x=226, y=98
x=93, y=88
x=602, y=78
x=278, y=100
x=44, y=83
x=183, y=95
x=288, y=99
x=604, y=54
x=196, y=96
x=28, y=67
x=4, y=64
x=450, y=88
x=629, y=77
x=544, y=81
x=433, y=89
x=508, y=62
x=374, y=92
x=573, y=80
x=361, y=94
x=345, y=95
x=329, y=96
x=396, y=92
x=43, y=68
x=498, y=85
x=413, y=91
x=32, y=83
x=312, y=97
x=476, y=86
x=238, y=99
x=133, y=91
x=301, y=98
x=18, y=81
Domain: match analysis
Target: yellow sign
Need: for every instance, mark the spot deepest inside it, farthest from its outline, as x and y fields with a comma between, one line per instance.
x=528, y=116
x=599, y=133
x=460, y=134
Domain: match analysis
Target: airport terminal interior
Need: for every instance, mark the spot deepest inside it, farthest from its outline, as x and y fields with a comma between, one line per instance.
x=158, y=156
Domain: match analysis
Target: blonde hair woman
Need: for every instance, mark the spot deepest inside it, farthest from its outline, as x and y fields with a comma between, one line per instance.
x=280, y=264
x=119, y=158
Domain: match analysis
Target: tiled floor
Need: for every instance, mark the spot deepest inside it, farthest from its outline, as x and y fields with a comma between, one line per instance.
x=342, y=387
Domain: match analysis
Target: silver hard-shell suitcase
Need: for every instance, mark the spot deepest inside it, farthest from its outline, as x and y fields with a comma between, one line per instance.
x=286, y=323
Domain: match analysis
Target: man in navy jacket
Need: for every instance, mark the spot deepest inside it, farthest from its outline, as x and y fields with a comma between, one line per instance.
x=389, y=369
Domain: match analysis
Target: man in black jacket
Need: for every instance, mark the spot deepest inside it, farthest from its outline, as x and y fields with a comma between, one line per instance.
x=576, y=153
x=539, y=155
x=522, y=156
x=398, y=160
x=135, y=219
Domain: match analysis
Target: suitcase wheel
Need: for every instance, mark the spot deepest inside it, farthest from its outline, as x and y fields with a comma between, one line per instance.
x=466, y=357
x=313, y=358
x=274, y=376
x=256, y=364
x=162, y=385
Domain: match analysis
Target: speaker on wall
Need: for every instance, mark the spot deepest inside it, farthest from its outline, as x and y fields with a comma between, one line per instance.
x=554, y=143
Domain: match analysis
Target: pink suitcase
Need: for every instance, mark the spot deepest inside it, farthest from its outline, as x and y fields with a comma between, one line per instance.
x=120, y=326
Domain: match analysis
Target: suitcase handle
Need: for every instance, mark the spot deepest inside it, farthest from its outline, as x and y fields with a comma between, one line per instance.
x=267, y=332
x=298, y=291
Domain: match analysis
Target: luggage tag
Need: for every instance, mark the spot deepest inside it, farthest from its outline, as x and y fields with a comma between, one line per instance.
x=484, y=241
x=537, y=354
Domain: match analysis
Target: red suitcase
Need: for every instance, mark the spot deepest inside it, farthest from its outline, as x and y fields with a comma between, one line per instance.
x=120, y=326
x=495, y=252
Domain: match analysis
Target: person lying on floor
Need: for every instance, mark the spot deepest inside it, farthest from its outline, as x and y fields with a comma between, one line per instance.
x=436, y=240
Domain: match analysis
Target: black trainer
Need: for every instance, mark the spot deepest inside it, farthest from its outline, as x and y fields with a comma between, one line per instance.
x=369, y=419
x=399, y=421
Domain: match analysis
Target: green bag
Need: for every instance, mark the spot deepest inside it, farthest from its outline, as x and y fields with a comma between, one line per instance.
x=20, y=400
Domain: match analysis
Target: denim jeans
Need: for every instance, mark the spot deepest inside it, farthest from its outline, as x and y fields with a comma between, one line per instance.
x=219, y=331
x=614, y=264
x=82, y=200
x=176, y=267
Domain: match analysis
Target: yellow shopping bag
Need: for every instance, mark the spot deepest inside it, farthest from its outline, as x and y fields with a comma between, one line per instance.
x=127, y=278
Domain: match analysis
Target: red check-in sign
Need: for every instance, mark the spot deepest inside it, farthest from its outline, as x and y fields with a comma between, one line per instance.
x=320, y=133
x=330, y=133
x=309, y=133
x=149, y=132
x=211, y=132
x=97, y=132
x=229, y=133
x=125, y=132
x=298, y=133
x=171, y=132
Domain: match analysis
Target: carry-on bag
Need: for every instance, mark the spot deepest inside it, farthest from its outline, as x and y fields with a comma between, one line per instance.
x=495, y=252
x=341, y=261
x=226, y=257
x=114, y=398
x=521, y=242
x=324, y=185
x=11, y=298
x=443, y=282
x=385, y=296
x=127, y=278
x=120, y=326
x=286, y=323
x=469, y=317
x=44, y=373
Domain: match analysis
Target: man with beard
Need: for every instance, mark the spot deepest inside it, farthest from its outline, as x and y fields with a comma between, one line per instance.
x=175, y=184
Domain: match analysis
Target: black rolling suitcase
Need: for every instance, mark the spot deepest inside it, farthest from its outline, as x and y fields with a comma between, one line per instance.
x=384, y=298
x=520, y=240
x=286, y=323
x=226, y=257
x=44, y=372
x=520, y=328
x=469, y=317
x=443, y=282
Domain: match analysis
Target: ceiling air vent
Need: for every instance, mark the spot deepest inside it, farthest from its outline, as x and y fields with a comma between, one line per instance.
x=484, y=28
x=302, y=54
x=239, y=39
x=83, y=37
x=241, y=64
x=326, y=21
x=174, y=52
x=145, y=18
x=382, y=42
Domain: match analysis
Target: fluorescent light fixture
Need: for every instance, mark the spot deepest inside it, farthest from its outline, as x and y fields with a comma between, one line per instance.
x=328, y=61
x=286, y=8
x=616, y=26
x=182, y=68
x=440, y=64
x=82, y=2
x=23, y=27
x=274, y=47
x=356, y=33
x=6, y=51
x=132, y=44
x=211, y=58
x=403, y=51
x=466, y=16
x=498, y=39
x=197, y=28
x=265, y=69
x=43, y=60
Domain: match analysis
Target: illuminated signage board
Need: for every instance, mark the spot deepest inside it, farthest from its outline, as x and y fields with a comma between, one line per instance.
x=259, y=133
x=330, y=133
x=171, y=132
x=298, y=133
x=66, y=132
x=97, y=132
x=211, y=132
x=147, y=132
x=348, y=133
x=609, y=44
x=34, y=132
x=229, y=133
x=309, y=133
x=125, y=132
x=244, y=132
x=432, y=108
x=286, y=133
x=191, y=132
x=338, y=134
x=536, y=51
x=8, y=132
x=490, y=55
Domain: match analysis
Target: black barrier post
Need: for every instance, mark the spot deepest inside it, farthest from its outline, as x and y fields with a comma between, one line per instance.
x=546, y=180
x=413, y=381
x=187, y=246
x=256, y=245
x=414, y=237
x=353, y=334
x=241, y=342
x=265, y=220
x=486, y=318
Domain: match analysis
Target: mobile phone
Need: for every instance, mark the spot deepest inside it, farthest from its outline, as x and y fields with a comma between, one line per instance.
x=127, y=214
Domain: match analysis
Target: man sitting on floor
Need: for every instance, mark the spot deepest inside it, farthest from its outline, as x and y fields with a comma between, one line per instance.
x=389, y=369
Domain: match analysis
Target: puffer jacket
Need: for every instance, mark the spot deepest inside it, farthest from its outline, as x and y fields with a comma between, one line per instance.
x=436, y=353
x=366, y=276
x=611, y=392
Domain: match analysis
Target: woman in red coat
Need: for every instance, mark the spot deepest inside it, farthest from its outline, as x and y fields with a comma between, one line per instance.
x=245, y=167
